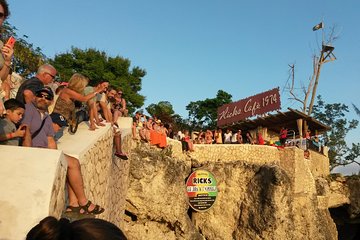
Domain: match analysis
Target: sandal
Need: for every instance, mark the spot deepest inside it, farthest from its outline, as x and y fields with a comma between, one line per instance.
x=71, y=209
x=95, y=211
x=121, y=156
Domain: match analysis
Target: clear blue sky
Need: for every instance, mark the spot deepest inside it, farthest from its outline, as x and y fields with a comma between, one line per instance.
x=191, y=49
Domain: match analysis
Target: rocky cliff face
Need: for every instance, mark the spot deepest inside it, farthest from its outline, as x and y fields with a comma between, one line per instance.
x=254, y=201
x=346, y=215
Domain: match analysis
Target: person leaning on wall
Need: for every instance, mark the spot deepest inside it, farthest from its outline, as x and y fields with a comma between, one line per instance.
x=85, y=229
x=7, y=51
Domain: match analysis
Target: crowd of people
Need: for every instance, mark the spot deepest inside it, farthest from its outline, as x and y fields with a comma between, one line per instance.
x=39, y=110
x=219, y=136
x=149, y=129
x=152, y=130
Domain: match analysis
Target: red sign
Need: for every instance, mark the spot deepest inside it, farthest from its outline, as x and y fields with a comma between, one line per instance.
x=259, y=104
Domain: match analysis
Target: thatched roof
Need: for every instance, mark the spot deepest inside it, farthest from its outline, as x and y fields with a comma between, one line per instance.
x=274, y=122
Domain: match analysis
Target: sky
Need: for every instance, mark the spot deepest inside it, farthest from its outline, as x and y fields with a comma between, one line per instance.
x=192, y=49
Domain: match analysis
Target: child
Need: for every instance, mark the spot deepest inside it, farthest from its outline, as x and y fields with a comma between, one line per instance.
x=9, y=135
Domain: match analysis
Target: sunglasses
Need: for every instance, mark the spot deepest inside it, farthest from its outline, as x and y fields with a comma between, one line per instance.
x=41, y=95
x=51, y=75
x=2, y=15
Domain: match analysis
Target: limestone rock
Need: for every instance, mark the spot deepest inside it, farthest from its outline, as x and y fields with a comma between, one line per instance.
x=156, y=203
x=256, y=200
x=354, y=187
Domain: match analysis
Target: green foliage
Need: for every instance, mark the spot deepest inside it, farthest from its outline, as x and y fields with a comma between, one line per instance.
x=27, y=58
x=99, y=67
x=333, y=115
x=164, y=111
x=203, y=113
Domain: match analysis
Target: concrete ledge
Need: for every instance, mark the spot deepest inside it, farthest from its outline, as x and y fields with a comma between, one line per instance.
x=78, y=144
x=32, y=187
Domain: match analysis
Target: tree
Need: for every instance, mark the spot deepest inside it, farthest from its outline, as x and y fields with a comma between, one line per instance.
x=163, y=110
x=99, y=67
x=203, y=113
x=334, y=116
x=27, y=58
x=326, y=55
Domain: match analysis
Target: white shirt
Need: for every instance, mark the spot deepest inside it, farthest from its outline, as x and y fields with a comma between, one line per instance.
x=227, y=137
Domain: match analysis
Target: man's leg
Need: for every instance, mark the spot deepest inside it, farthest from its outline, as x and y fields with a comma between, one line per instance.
x=73, y=201
x=76, y=182
x=117, y=114
x=117, y=143
x=92, y=126
x=105, y=111
x=133, y=131
x=96, y=115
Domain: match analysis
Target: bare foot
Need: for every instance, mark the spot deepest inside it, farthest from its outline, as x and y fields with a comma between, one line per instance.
x=100, y=124
x=92, y=128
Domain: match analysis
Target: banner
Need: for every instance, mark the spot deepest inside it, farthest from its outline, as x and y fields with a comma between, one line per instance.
x=249, y=107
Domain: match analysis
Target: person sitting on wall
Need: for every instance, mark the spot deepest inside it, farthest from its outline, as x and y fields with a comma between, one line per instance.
x=44, y=76
x=227, y=136
x=93, y=110
x=234, y=138
x=42, y=136
x=65, y=104
x=260, y=139
x=249, y=139
x=106, y=102
x=118, y=108
x=136, y=125
x=239, y=137
x=85, y=229
x=218, y=136
x=283, y=136
x=208, y=137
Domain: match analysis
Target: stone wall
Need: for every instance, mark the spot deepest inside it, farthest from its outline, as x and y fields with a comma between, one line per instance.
x=104, y=175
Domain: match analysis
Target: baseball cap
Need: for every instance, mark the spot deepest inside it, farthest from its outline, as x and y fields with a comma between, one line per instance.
x=58, y=119
x=47, y=90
